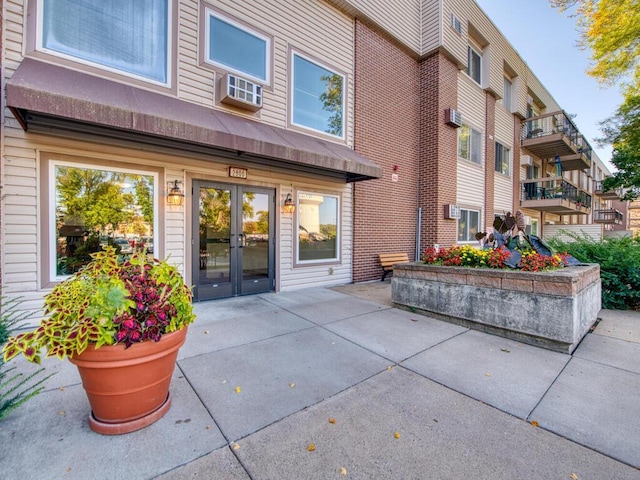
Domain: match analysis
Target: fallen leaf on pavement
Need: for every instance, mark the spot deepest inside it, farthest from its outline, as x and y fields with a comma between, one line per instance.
x=332, y=420
x=535, y=423
x=311, y=447
x=397, y=434
x=343, y=471
x=238, y=389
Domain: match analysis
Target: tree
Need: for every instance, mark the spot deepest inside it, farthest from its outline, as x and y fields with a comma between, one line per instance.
x=623, y=132
x=610, y=29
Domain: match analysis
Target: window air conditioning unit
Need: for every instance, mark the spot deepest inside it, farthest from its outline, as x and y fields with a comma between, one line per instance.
x=240, y=92
x=527, y=220
x=526, y=160
x=452, y=212
x=453, y=117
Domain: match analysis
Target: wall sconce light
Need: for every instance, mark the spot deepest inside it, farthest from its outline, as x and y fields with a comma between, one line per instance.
x=175, y=196
x=289, y=206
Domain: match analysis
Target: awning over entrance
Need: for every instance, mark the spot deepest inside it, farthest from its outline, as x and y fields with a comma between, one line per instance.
x=47, y=97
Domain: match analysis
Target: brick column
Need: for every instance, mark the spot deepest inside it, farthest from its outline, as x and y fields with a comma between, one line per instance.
x=489, y=158
x=516, y=164
x=386, y=130
x=438, y=149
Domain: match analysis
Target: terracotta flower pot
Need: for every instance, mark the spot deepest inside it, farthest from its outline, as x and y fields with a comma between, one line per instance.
x=128, y=389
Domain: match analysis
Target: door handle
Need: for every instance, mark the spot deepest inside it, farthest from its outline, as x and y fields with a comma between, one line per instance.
x=241, y=240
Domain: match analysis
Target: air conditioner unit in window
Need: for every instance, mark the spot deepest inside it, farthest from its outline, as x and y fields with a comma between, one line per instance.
x=451, y=212
x=453, y=117
x=526, y=160
x=240, y=92
x=527, y=220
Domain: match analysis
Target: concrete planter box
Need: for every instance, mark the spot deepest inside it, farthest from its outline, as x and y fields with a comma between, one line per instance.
x=550, y=309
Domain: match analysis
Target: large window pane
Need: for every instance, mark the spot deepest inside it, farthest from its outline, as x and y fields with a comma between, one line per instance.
x=317, y=227
x=474, y=64
x=317, y=97
x=95, y=208
x=468, y=225
x=126, y=35
x=235, y=48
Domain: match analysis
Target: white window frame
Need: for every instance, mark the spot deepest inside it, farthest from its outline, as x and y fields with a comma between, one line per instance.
x=292, y=95
x=471, y=51
x=507, y=97
x=505, y=150
x=51, y=231
x=169, y=48
x=467, y=210
x=471, y=150
x=207, y=54
x=333, y=260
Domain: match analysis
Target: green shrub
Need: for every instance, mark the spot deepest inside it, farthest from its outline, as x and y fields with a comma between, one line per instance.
x=619, y=260
x=15, y=389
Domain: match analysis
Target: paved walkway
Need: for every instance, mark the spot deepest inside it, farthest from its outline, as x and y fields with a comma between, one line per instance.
x=380, y=393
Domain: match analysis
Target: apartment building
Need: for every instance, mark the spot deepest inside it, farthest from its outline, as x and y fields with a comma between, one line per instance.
x=270, y=146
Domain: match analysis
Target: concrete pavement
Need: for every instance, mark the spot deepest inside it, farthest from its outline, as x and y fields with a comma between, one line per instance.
x=379, y=392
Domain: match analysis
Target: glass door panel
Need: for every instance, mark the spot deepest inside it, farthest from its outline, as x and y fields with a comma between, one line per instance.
x=234, y=248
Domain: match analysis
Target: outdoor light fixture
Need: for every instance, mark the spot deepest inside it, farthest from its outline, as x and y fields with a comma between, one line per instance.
x=175, y=196
x=289, y=206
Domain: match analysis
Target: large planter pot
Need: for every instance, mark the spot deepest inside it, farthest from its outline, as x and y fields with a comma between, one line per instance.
x=128, y=388
x=552, y=309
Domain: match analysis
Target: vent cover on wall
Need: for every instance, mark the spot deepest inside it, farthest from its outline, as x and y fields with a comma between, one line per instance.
x=453, y=117
x=240, y=92
x=452, y=212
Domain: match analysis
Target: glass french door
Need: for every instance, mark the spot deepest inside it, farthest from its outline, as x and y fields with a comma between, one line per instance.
x=233, y=240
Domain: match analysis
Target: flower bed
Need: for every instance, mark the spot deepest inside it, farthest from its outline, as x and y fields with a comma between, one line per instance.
x=551, y=309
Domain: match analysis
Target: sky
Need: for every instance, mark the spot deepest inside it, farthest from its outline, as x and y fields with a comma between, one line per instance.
x=547, y=41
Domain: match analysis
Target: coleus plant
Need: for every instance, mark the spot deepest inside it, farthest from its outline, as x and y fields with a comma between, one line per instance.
x=108, y=301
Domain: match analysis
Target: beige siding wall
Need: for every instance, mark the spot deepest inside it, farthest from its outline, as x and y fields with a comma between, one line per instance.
x=399, y=18
x=432, y=26
x=314, y=28
x=595, y=231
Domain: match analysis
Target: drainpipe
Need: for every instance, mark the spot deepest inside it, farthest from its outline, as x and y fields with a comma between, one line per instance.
x=419, y=228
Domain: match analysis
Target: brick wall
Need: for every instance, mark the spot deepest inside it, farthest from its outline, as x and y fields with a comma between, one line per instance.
x=387, y=114
x=489, y=155
x=438, y=149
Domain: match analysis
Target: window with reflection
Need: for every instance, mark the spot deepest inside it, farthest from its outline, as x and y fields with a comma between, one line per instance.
x=318, y=97
x=130, y=36
x=96, y=207
x=468, y=225
x=318, y=227
x=235, y=47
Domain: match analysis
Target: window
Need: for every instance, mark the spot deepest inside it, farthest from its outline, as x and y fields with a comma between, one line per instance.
x=234, y=47
x=318, y=97
x=470, y=144
x=318, y=227
x=91, y=207
x=506, y=98
x=468, y=225
x=503, y=159
x=130, y=36
x=474, y=64
x=533, y=228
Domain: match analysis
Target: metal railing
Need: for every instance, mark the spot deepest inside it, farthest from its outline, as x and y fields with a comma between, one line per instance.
x=610, y=215
x=553, y=187
x=553, y=123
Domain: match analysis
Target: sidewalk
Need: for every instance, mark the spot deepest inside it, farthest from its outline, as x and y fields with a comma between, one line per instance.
x=380, y=393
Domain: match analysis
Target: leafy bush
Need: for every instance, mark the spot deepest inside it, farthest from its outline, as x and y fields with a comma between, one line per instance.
x=14, y=389
x=619, y=260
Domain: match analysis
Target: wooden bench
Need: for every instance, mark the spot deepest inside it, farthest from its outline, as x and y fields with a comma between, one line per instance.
x=387, y=260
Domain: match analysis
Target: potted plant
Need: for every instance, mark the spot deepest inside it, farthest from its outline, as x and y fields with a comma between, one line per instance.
x=121, y=321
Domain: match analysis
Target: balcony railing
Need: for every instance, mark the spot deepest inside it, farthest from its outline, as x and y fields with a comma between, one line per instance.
x=554, y=136
x=554, y=195
x=609, y=216
x=615, y=194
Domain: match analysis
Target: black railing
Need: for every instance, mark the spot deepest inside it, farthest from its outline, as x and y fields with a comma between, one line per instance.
x=550, y=189
x=610, y=215
x=553, y=123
